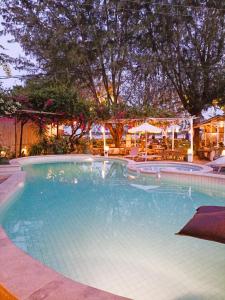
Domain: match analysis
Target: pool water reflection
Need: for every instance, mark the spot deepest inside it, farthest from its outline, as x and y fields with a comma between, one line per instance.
x=97, y=224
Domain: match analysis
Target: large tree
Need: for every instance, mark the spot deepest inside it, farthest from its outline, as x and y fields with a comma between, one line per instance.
x=188, y=43
x=87, y=43
x=138, y=51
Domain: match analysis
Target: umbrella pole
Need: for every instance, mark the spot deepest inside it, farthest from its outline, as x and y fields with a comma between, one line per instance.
x=145, y=145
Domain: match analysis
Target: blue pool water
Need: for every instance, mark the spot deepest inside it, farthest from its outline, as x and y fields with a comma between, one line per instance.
x=95, y=223
x=159, y=166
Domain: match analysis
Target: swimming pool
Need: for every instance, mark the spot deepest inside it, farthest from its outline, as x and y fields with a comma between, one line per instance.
x=94, y=223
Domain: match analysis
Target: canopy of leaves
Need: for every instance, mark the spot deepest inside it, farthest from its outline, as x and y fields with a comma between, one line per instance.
x=47, y=96
x=188, y=42
x=7, y=105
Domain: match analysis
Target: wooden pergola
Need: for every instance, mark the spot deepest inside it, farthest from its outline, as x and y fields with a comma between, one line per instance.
x=27, y=112
x=213, y=127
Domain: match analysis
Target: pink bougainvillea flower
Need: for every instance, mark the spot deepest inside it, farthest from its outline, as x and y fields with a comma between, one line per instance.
x=48, y=103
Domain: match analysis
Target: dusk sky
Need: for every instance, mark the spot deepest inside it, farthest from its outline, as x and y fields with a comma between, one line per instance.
x=13, y=50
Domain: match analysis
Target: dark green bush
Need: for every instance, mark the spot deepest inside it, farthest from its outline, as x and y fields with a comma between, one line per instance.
x=36, y=149
x=83, y=146
x=59, y=146
x=50, y=146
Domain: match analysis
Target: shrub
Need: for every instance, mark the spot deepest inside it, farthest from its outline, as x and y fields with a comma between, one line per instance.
x=50, y=146
x=60, y=145
x=83, y=146
x=36, y=149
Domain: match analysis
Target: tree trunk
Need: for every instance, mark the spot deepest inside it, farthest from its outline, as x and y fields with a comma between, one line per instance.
x=196, y=138
x=21, y=137
x=116, y=132
x=15, y=136
x=71, y=143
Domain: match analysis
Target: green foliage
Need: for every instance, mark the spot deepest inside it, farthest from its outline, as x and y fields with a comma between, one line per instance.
x=53, y=145
x=36, y=149
x=45, y=95
x=5, y=60
x=160, y=56
x=58, y=145
x=83, y=146
x=7, y=105
x=97, y=143
x=189, y=48
x=124, y=111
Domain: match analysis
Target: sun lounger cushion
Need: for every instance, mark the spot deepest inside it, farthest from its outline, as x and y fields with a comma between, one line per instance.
x=208, y=223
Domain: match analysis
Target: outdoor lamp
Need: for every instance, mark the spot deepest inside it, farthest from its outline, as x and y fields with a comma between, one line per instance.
x=106, y=151
x=189, y=151
x=24, y=150
x=221, y=124
x=103, y=129
x=3, y=153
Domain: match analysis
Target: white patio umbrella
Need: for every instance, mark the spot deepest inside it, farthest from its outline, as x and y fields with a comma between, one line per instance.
x=146, y=128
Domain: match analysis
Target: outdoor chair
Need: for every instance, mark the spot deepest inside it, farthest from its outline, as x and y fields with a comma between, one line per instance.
x=218, y=165
x=133, y=153
x=218, y=168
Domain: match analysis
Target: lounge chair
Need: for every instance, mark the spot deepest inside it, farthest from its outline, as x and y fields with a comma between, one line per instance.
x=133, y=153
x=218, y=165
x=218, y=168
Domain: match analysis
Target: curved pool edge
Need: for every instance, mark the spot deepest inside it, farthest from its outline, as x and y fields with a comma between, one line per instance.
x=205, y=176
x=18, y=268
x=135, y=167
x=26, y=277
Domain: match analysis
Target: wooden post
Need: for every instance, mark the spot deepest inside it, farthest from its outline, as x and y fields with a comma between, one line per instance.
x=217, y=135
x=57, y=129
x=15, y=136
x=205, y=135
x=21, y=137
x=224, y=133
x=146, y=145
x=192, y=141
x=173, y=136
x=103, y=135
